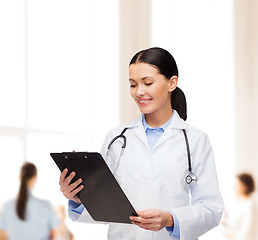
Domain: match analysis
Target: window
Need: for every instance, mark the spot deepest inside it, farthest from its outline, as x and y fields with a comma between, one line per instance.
x=59, y=80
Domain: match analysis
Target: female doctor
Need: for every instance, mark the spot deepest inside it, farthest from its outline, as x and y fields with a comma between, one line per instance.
x=167, y=168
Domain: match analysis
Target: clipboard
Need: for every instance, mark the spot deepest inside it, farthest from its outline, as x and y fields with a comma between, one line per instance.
x=102, y=196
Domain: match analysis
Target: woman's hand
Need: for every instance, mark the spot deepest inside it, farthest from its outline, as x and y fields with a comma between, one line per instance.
x=153, y=219
x=70, y=190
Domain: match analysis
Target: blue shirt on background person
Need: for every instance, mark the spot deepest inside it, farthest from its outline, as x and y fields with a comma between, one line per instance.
x=40, y=220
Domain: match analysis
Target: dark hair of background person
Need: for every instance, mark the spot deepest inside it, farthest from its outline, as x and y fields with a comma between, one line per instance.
x=248, y=181
x=28, y=171
x=166, y=65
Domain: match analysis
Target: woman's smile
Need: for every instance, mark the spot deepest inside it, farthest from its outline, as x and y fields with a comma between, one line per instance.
x=144, y=102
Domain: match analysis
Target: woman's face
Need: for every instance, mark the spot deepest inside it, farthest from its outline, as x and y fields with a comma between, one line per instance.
x=150, y=90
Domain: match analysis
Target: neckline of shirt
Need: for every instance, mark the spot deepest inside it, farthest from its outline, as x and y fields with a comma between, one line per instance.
x=146, y=126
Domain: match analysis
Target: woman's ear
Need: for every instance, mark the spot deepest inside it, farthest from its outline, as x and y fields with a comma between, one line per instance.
x=173, y=83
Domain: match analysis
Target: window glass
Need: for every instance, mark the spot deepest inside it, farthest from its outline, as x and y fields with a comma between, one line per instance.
x=73, y=65
x=12, y=62
x=11, y=159
x=58, y=88
x=58, y=58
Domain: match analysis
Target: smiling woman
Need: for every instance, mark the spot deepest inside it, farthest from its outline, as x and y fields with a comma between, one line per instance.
x=152, y=169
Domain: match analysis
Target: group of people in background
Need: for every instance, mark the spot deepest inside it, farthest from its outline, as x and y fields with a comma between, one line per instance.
x=29, y=218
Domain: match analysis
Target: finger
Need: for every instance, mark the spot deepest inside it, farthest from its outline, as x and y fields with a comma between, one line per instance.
x=75, y=184
x=72, y=194
x=150, y=213
x=62, y=176
x=143, y=225
x=69, y=178
x=147, y=226
x=141, y=220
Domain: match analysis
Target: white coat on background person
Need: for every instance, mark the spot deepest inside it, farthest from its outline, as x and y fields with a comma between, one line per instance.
x=154, y=178
x=239, y=221
x=63, y=232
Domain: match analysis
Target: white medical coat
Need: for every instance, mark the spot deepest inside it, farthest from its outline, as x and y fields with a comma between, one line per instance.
x=240, y=222
x=155, y=179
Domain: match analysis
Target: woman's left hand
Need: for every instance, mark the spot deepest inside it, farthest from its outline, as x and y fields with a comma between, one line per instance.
x=153, y=219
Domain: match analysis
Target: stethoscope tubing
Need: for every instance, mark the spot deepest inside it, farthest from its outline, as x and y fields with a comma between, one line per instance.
x=188, y=152
x=121, y=135
x=190, y=178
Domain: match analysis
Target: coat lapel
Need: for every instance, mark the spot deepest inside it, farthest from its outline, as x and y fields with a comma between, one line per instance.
x=138, y=130
x=176, y=123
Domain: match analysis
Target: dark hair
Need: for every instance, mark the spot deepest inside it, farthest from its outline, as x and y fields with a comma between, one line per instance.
x=248, y=181
x=166, y=65
x=28, y=171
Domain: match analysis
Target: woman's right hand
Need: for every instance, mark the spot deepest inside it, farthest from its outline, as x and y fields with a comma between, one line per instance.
x=70, y=190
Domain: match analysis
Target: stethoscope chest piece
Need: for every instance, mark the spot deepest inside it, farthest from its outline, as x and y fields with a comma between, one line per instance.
x=191, y=179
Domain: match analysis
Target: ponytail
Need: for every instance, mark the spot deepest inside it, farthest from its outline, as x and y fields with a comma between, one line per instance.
x=28, y=171
x=166, y=65
x=22, y=200
x=178, y=102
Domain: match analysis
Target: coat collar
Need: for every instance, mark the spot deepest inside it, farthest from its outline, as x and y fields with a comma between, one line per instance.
x=176, y=123
x=137, y=126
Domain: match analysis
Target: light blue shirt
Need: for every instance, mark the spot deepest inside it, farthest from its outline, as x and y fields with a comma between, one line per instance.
x=74, y=210
x=40, y=220
x=153, y=135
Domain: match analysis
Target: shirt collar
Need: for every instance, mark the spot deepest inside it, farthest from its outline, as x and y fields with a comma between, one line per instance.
x=147, y=126
x=176, y=123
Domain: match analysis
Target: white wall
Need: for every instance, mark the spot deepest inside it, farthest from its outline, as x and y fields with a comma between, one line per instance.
x=246, y=82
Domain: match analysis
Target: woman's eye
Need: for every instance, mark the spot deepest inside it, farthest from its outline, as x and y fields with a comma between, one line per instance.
x=148, y=84
x=133, y=85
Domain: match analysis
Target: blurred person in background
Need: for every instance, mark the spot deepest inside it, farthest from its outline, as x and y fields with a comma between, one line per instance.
x=2, y=237
x=27, y=217
x=239, y=220
x=63, y=233
x=1, y=231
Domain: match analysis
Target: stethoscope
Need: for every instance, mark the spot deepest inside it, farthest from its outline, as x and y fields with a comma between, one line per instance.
x=191, y=178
